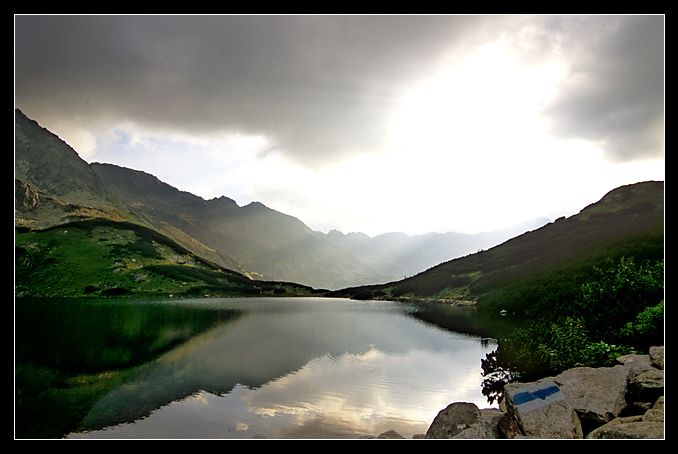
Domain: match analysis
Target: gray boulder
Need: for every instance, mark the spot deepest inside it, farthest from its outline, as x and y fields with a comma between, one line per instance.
x=541, y=410
x=647, y=426
x=657, y=357
x=455, y=418
x=636, y=363
x=598, y=395
x=390, y=435
x=648, y=386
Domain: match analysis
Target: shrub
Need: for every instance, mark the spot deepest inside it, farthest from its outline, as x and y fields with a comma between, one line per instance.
x=620, y=310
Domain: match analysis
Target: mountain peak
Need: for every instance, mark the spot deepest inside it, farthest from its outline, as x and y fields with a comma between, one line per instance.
x=42, y=159
x=223, y=202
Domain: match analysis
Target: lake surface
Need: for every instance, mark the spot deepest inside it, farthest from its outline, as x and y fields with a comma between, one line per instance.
x=248, y=368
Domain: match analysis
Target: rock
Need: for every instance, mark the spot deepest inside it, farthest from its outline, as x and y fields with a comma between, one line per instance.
x=598, y=395
x=541, y=410
x=491, y=418
x=508, y=427
x=648, y=386
x=647, y=426
x=657, y=357
x=390, y=435
x=456, y=418
x=656, y=413
x=637, y=363
x=630, y=427
x=601, y=399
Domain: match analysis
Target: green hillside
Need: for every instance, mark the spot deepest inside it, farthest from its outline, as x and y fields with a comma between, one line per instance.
x=107, y=258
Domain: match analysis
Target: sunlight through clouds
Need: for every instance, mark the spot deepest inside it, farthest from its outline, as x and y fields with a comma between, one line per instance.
x=360, y=123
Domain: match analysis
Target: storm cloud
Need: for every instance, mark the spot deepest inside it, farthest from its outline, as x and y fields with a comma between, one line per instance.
x=359, y=123
x=321, y=86
x=317, y=86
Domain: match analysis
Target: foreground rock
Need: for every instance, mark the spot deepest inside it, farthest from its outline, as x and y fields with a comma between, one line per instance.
x=625, y=401
x=649, y=425
x=541, y=410
x=598, y=395
x=455, y=419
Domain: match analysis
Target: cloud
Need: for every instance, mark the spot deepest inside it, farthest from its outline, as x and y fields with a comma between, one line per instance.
x=322, y=86
x=316, y=86
x=613, y=93
x=491, y=117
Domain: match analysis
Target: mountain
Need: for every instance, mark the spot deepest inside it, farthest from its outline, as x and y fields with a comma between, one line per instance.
x=628, y=221
x=55, y=185
x=278, y=246
x=267, y=243
x=400, y=255
x=42, y=160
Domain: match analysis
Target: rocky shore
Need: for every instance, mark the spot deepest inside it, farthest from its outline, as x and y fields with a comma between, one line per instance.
x=625, y=401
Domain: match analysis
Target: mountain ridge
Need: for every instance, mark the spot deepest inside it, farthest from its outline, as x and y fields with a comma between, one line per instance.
x=254, y=240
x=627, y=221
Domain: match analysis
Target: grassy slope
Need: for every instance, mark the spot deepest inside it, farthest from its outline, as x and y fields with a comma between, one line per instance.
x=107, y=258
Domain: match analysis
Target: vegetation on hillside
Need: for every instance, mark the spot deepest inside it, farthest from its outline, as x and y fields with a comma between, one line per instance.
x=619, y=309
x=102, y=258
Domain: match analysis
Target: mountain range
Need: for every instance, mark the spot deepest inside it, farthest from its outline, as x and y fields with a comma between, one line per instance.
x=53, y=186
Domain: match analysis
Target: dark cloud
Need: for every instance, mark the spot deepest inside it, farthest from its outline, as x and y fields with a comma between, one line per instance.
x=312, y=84
x=319, y=86
x=614, y=92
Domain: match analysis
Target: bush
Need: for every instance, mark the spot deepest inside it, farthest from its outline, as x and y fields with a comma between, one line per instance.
x=647, y=329
x=620, y=310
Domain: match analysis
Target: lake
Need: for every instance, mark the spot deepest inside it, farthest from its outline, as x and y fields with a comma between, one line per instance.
x=279, y=368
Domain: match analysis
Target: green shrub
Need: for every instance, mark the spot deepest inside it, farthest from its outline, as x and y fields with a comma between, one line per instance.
x=618, y=311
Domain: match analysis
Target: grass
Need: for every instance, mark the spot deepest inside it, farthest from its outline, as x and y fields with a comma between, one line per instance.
x=106, y=258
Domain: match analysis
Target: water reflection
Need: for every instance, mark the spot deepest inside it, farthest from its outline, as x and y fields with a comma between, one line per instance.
x=296, y=368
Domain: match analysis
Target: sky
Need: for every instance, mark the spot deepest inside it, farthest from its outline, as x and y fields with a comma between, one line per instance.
x=359, y=123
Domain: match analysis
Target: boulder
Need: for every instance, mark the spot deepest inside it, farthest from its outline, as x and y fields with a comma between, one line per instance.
x=647, y=426
x=598, y=395
x=656, y=413
x=636, y=363
x=657, y=357
x=541, y=410
x=454, y=419
x=491, y=418
x=647, y=386
x=508, y=427
x=390, y=435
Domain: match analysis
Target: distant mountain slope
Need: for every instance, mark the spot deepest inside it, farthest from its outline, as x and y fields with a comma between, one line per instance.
x=400, y=255
x=268, y=243
x=627, y=221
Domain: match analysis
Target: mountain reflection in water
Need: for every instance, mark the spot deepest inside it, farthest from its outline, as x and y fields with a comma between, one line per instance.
x=297, y=368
